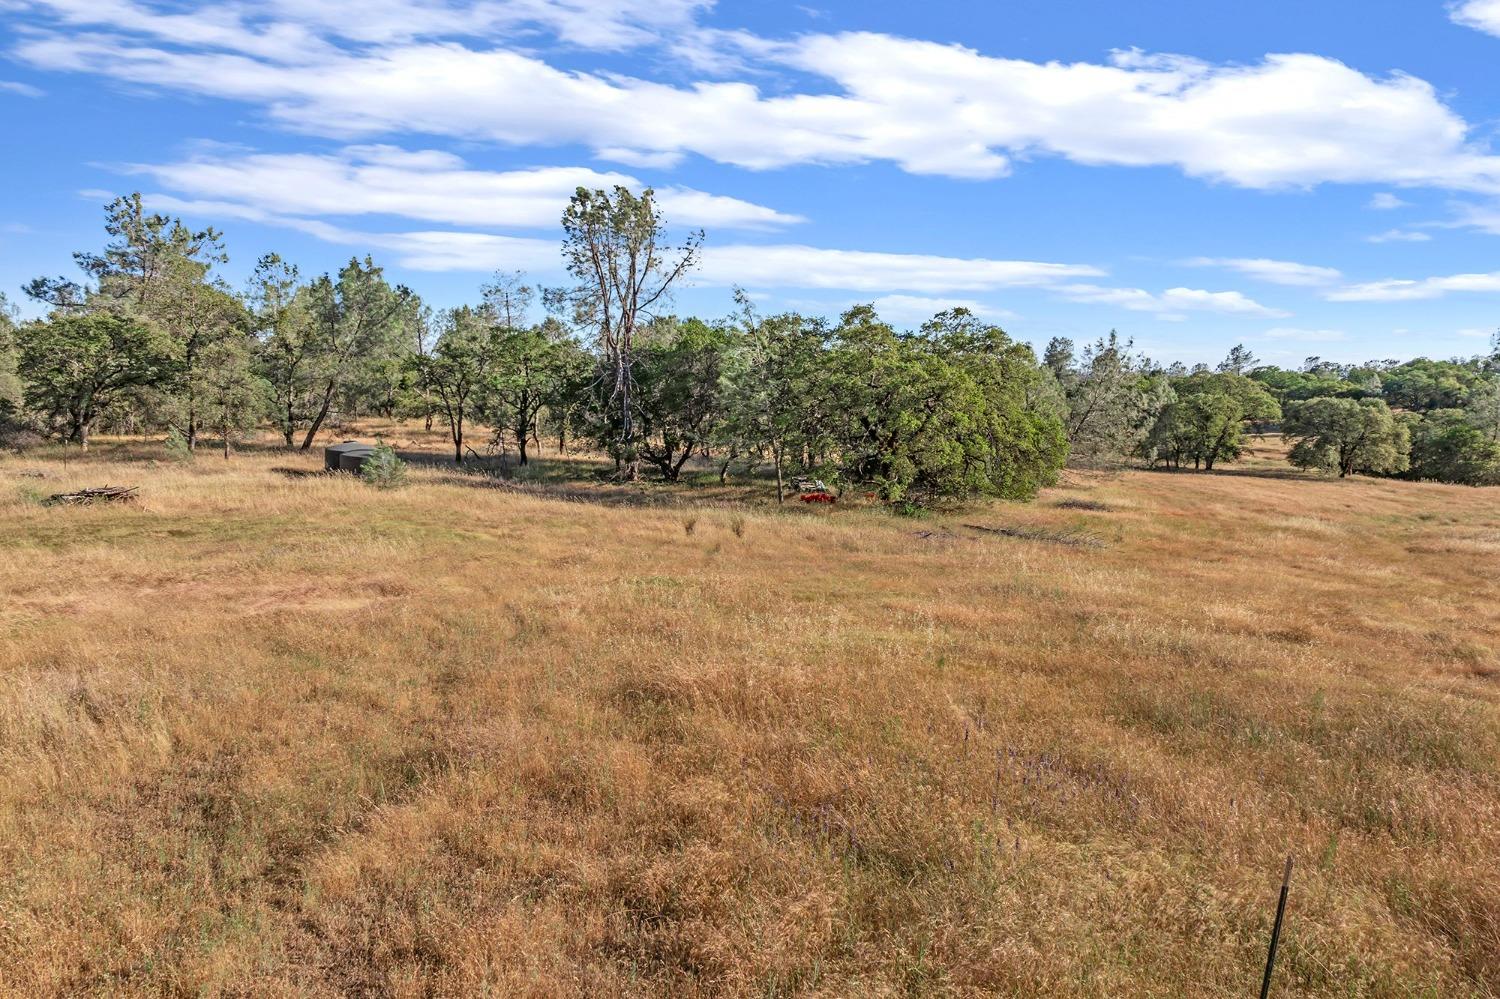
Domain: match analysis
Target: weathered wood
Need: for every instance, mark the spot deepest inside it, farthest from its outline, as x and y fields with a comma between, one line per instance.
x=97, y=494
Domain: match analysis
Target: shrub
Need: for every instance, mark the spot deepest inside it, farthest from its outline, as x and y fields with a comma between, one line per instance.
x=176, y=446
x=384, y=469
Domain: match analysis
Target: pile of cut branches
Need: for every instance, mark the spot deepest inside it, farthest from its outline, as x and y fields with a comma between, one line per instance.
x=98, y=494
x=1026, y=532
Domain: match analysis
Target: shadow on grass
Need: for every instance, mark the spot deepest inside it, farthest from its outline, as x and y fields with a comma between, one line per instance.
x=1243, y=472
x=574, y=478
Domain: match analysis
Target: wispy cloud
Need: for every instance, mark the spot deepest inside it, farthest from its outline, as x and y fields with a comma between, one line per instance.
x=1283, y=272
x=1409, y=290
x=427, y=185
x=453, y=69
x=1399, y=236
x=920, y=308
x=1171, y=303
x=797, y=266
x=1482, y=15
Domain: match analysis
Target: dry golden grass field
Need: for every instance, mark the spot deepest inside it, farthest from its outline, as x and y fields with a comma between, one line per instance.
x=272, y=734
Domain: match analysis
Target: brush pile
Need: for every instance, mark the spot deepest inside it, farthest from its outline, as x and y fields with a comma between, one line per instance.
x=98, y=494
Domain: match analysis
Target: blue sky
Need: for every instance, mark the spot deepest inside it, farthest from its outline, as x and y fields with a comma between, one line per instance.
x=1307, y=179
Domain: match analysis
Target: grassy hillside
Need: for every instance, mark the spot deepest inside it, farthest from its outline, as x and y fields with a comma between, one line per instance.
x=273, y=734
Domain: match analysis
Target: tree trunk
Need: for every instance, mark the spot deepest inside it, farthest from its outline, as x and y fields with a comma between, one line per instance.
x=780, y=483
x=687, y=453
x=317, y=423
x=632, y=468
x=458, y=440
x=521, y=447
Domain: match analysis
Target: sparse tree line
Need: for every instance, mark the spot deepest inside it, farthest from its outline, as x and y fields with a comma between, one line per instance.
x=153, y=340
x=1419, y=419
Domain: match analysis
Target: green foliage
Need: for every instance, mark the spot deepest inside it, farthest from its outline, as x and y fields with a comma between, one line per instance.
x=1113, y=397
x=679, y=393
x=612, y=246
x=1240, y=361
x=384, y=469
x=1205, y=422
x=284, y=354
x=149, y=338
x=534, y=369
x=206, y=326
x=232, y=396
x=1295, y=386
x=771, y=407
x=74, y=366
x=1483, y=407
x=11, y=392
x=1424, y=384
x=1347, y=436
x=156, y=270
x=359, y=323
x=146, y=258
x=455, y=372
x=176, y=447
x=944, y=413
x=1448, y=447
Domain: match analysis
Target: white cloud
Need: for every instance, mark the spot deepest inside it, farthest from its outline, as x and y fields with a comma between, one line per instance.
x=1399, y=236
x=1385, y=201
x=16, y=87
x=439, y=250
x=1477, y=332
x=784, y=265
x=1304, y=335
x=427, y=185
x=1170, y=303
x=1292, y=120
x=796, y=266
x=1482, y=15
x=1485, y=218
x=1406, y=290
x=295, y=30
x=1274, y=271
x=920, y=308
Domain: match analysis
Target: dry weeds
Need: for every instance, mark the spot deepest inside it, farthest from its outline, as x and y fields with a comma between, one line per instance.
x=270, y=734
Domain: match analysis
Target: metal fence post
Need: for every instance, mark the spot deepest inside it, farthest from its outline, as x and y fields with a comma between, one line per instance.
x=1286, y=881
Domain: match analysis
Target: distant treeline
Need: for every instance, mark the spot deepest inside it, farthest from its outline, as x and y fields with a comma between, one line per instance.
x=152, y=340
x=1419, y=419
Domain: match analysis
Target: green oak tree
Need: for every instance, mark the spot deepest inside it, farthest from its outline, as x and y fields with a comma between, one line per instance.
x=73, y=366
x=1347, y=436
x=458, y=368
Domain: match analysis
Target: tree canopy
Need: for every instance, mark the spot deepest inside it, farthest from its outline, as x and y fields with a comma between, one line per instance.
x=150, y=337
x=1347, y=436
